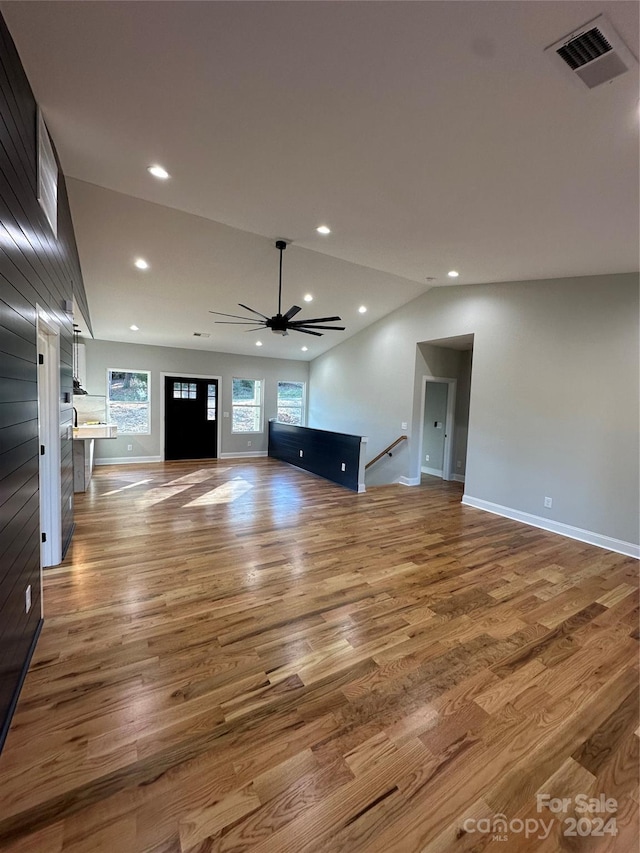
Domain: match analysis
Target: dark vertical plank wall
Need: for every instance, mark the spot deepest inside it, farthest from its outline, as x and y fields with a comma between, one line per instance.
x=35, y=267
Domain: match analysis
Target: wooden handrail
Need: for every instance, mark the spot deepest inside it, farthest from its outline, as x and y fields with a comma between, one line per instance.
x=385, y=451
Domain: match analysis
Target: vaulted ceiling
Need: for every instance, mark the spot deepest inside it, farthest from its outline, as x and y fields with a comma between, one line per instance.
x=429, y=136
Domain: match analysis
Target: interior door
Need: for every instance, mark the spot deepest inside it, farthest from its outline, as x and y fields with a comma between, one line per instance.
x=190, y=418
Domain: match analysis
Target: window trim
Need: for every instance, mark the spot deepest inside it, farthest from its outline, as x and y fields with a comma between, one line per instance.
x=148, y=402
x=260, y=407
x=304, y=398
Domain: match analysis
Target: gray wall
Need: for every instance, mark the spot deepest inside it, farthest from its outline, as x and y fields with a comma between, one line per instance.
x=36, y=269
x=102, y=355
x=435, y=412
x=554, y=394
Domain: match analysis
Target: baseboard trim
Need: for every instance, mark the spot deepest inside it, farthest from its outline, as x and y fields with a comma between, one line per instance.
x=433, y=472
x=4, y=731
x=459, y=478
x=409, y=481
x=600, y=541
x=126, y=460
x=250, y=454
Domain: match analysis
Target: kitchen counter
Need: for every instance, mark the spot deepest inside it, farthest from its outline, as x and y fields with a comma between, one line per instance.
x=86, y=431
x=84, y=436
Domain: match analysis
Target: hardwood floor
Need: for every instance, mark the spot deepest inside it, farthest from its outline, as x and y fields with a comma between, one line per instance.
x=239, y=656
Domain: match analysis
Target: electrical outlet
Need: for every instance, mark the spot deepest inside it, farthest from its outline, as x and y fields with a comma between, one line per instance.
x=426, y=458
x=404, y=425
x=344, y=467
x=129, y=446
x=225, y=414
x=548, y=502
x=301, y=454
x=248, y=444
x=459, y=463
x=27, y=599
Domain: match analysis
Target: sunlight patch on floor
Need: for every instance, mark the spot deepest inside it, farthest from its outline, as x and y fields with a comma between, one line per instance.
x=162, y=493
x=224, y=494
x=199, y=476
x=124, y=488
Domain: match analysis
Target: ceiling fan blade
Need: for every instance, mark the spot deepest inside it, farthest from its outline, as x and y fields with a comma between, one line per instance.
x=305, y=331
x=237, y=316
x=292, y=312
x=236, y=323
x=255, y=329
x=333, y=328
x=316, y=320
x=253, y=311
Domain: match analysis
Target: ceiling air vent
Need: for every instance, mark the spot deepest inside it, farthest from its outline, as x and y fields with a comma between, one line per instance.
x=595, y=53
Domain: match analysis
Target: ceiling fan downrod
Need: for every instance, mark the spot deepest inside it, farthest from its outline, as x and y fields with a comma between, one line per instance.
x=281, y=246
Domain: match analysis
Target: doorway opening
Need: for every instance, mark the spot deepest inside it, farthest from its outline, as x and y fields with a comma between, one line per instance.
x=191, y=423
x=442, y=407
x=50, y=475
x=438, y=413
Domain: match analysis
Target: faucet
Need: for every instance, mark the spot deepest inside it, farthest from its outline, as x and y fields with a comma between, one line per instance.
x=75, y=416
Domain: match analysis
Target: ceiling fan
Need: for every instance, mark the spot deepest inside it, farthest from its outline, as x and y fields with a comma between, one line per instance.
x=280, y=323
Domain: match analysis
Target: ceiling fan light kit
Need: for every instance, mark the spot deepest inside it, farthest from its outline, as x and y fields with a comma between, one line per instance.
x=280, y=324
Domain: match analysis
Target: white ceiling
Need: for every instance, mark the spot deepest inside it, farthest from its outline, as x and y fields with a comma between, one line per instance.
x=427, y=135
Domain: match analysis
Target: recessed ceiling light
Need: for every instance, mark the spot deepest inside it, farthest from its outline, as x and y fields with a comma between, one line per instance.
x=308, y=297
x=158, y=172
x=141, y=264
x=304, y=349
x=258, y=343
x=453, y=274
x=362, y=309
x=134, y=328
x=322, y=229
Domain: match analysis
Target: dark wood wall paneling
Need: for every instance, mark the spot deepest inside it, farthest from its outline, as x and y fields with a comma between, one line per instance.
x=35, y=268
x=323, y=451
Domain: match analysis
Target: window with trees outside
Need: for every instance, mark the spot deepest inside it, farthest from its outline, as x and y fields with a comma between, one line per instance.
x=246, y=405
x=291, y=403
x=128, y=401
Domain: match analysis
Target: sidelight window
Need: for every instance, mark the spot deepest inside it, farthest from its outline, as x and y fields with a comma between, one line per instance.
x=211, y=402
x=246, y=404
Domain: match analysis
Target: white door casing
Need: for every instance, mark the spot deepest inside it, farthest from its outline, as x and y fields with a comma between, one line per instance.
x=50, y=487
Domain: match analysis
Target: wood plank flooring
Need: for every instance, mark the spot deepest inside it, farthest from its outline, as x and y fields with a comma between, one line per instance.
x=239, y=656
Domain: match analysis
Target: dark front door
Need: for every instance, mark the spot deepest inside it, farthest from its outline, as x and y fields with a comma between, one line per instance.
x=190, y=418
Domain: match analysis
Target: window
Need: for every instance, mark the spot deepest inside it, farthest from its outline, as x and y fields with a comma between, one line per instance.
x=246, y=404
x=184, y=391
x=211, y=402
x=128, y=396
x=291, y=403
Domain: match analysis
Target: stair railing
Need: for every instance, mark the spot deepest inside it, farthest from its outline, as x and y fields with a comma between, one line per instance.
x=386, y=451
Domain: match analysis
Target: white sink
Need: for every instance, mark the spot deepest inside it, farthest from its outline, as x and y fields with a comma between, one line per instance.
x=87, y=431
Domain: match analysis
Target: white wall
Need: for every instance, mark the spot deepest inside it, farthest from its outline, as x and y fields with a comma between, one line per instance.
x=102, y=355
x=554, y=394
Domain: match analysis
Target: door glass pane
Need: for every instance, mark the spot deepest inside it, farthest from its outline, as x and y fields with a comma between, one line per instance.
x=211, y=402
